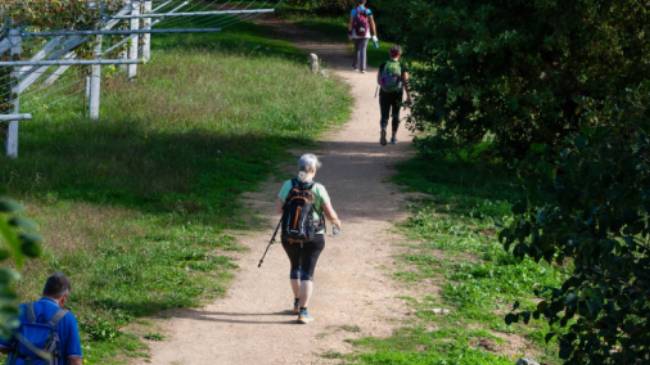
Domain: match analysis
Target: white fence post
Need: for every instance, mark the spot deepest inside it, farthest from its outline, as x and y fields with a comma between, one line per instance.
x=146, y=38
x=95, y=83
x=135, y=41
x=11, y=143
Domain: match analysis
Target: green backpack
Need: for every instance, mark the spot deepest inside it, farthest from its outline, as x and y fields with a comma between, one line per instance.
x=390, y=79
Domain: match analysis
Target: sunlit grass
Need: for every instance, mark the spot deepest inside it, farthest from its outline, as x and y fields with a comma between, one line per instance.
x=134, y=207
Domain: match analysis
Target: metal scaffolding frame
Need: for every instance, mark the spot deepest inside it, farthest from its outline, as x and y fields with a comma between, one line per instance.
x=60, y=51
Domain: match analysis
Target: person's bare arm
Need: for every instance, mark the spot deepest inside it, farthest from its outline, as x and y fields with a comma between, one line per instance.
x=75, y=360
x=330, y=213
x=373, y=26
x=350, y=26
x=278, y=206
x=407, y=88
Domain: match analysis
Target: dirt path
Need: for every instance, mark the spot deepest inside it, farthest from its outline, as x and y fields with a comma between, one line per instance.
x=353, y=294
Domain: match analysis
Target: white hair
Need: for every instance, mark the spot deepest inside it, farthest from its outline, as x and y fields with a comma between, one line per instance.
x=307, y=164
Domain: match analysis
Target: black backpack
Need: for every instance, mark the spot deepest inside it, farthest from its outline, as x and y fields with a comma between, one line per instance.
x=298, y=224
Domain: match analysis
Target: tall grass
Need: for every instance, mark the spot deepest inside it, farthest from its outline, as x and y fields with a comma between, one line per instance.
x=134, y=207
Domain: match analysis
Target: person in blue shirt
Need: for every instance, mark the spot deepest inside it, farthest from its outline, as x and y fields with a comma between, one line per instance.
x=55, y=295
x=361, y=28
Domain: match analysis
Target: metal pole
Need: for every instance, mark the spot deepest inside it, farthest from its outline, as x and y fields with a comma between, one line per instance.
x=71, y=55
x=47, y=49
x=146, y=38
x=56, y=33
x=132, y=71
x=162, y=5
x=70, y=62
x=125, y=40
x=59, y=71
x=95, y=83
x=87, y=93
x=195, y=13
x=12, y=117
x=36, y=72
x=12, y=129
x=4, y=45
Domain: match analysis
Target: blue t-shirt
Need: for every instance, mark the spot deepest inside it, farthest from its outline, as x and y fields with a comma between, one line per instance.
x=67, y=328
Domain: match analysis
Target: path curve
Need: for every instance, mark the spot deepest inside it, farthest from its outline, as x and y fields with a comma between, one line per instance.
x=354, y=296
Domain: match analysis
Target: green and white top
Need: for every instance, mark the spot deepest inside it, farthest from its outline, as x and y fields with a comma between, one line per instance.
x=321, y=198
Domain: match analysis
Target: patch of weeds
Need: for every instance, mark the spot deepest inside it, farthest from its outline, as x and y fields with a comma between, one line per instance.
x=351, y=328
x=418, y=346
x=452, y=240
x=332, y=355
x=153, y=336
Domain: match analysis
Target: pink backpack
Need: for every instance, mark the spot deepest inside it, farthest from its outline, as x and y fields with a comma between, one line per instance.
x=361, y=22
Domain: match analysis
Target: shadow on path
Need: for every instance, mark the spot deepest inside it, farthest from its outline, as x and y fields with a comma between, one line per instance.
x=235, y=317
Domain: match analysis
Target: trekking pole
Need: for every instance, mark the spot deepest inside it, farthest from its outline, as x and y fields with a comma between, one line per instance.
x=270, y=244
x=376, y=91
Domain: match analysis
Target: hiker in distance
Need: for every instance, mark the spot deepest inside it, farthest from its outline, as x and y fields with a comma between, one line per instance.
x=46, y=329
x=393, y=80
x=361, y=29
x=304, y=204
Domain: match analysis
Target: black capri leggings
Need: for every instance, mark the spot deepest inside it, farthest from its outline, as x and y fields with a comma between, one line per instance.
x=304, y=257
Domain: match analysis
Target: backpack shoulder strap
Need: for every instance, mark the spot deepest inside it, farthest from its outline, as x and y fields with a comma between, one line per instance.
x=58, y=316
x=303, y=186
x=29, y=311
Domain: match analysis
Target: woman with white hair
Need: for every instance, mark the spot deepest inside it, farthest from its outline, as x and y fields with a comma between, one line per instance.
x=304, y=204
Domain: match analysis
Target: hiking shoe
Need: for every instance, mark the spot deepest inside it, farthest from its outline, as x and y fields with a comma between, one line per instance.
x=304, y=316
x=363, y=71
x=393, y=140
x=296, y=306
x=382, y=139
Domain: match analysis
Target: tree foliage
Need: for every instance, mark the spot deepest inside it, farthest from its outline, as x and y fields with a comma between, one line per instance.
x=591, y=204
x=59, y=14
x=325, y=7
x=18, y=240
x=562, y=90
x=522, y=72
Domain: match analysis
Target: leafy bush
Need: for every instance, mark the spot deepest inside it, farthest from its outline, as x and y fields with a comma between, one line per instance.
x=596, y=212
x=561, y=90
x=522, y=72
x=72, y=14
x=18, y=240
x=324, y=7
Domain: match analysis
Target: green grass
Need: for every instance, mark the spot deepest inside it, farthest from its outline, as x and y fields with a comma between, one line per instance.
x=453, y=250
x=135, y=207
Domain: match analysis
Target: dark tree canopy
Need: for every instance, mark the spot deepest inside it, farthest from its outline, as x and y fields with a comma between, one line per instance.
x=561, y=91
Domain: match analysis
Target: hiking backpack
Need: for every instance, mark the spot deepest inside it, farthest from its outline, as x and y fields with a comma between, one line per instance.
x=298, y=224
x=361, y=22
x=38, y=343
x=390, y=79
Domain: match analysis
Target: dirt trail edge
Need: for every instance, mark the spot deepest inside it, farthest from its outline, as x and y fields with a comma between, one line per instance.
x=353, y=294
